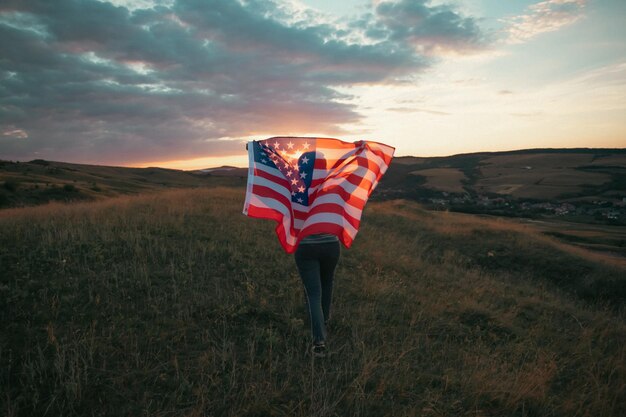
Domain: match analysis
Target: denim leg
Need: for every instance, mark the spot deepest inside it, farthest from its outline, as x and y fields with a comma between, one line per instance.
x=310, y=274
x=328, y=263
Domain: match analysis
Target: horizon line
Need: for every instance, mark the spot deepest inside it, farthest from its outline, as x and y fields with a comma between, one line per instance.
x=532, y=150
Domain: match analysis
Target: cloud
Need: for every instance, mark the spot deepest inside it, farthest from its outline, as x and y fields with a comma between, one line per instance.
x=13, y=132
x=428, y=29
x=93, y=81
x=545, y=16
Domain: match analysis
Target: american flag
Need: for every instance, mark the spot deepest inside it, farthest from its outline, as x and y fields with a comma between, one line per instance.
x=313, y=185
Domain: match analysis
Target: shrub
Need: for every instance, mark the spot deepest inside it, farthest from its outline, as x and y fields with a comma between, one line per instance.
x=11, y=185
x=4, y=200
x=40, y=162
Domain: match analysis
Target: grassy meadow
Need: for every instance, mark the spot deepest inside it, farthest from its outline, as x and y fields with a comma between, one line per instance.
x=175, y=304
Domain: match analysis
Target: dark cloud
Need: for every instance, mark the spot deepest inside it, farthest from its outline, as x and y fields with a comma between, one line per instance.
x=85, y=80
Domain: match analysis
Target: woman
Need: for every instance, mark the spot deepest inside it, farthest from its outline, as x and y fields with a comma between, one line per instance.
x=316, y=259
x=282, y=165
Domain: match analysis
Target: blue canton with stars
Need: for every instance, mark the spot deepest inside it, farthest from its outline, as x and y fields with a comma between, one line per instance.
x=294, y=158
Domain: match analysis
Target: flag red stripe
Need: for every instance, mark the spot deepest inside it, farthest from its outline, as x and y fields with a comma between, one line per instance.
x=337, y=189
x=263, y=191
x=328, y=163
x=382, y=155
x=266, y=213
x=278, y=180
x=354, y=179
x=267, y=192
x=328, y=208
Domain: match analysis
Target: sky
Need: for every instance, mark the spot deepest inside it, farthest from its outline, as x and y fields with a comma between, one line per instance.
x=186, y=83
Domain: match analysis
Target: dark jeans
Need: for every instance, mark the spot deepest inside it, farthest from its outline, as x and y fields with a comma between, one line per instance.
x=316, y=263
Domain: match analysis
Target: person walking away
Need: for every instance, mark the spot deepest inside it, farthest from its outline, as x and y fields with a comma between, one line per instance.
x=316, y=258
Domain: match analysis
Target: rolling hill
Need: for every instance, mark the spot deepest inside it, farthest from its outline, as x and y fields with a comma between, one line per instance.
x=535, y=174
x=578, y=185
x=40, y=181
x=584, y=185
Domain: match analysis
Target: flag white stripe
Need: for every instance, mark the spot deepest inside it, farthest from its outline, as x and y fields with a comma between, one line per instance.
x=360, y=171
x=268, y=202
x=276, y=187
x=250, y=181
x=270, y=170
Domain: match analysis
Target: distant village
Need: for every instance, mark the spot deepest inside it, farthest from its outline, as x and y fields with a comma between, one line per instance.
x=597, y=209
x=591, y=210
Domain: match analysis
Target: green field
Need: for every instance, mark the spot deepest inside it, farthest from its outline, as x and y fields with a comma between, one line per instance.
x=175, y=304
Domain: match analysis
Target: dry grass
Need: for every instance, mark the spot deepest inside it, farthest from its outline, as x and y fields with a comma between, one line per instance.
x=464, y=225
x=176, y=304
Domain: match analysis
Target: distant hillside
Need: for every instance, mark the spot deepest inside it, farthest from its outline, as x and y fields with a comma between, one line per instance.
x=40, y=181
x=581, y=183
x=223, y=171
x=591, y=182
x=540, y=174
